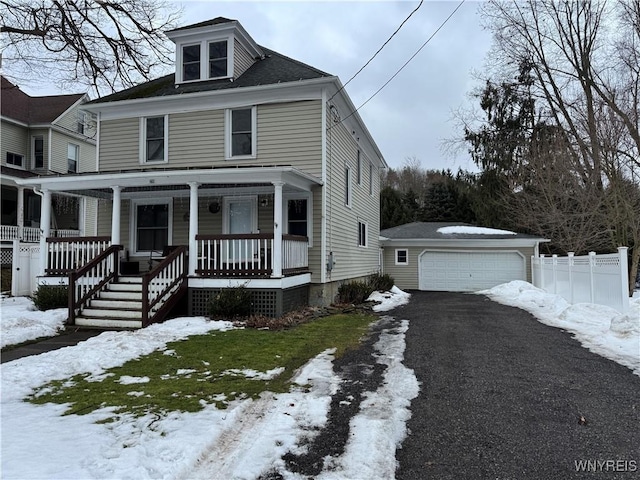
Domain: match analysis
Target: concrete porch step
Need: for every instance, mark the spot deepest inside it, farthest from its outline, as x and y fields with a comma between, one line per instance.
x=112, y=313
x=125, y=287
x=85, y=321
x=117, y=304
x=126, y=295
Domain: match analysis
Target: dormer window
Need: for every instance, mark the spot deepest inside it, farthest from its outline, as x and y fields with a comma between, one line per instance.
x=218, y=59
x=191, y=62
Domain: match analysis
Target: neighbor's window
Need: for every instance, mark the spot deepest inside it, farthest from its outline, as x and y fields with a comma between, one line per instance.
x=152, y=227
x=347, y=186
x=14, y=159
x=81, y=122
x=370, y=178
x=297, y=217
x=241, y=131
x=402, y=256
x=218, y=59
x=38, y=152
x=359, y=169
x=155, y=139
x=72, y=158
x=190, y=62
x=362, y=234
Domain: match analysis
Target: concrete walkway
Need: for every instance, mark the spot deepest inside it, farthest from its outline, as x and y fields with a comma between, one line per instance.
x=69, y=338
x=506, y=397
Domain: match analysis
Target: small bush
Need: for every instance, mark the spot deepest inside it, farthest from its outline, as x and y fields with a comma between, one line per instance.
x=381, y=283
x=230, y=303
x=47, y=297
x=354, y=292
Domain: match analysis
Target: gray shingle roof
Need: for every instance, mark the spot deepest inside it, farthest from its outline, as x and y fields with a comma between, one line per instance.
x=429, y=230
x=273, y=69
x=206, y=23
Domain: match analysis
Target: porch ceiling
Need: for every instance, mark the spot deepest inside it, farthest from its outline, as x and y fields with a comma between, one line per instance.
x=99, y=184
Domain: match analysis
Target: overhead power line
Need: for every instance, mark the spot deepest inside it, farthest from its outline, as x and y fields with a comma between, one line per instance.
x=403, y=66
x=379, y=50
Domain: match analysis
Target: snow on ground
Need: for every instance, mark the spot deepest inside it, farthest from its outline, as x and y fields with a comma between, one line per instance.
x=241, y=442
x=389, y=300
x=473, y=230
x=21, y=321
x=603, y=330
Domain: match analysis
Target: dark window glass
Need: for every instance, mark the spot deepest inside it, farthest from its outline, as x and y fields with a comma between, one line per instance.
x=14, y=159
x=297, y=217
x=152, y=227
x=362, y=234
x=191, y=62
x=217, y=59
x=155, y=139
x=72, y=158
x=401, y=256
x=38, y=152
x=241, y=135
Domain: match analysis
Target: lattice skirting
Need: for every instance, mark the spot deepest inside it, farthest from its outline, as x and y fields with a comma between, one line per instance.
x=6, y=257
x=269, y=302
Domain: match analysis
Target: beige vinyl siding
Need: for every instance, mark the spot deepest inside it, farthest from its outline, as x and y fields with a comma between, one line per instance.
x=290, y=134
x=69, y=121
x=59, y=152
x=351, y=260
x=406, y=276
x=241, y=59
x=48, y=162
x=14, y=139
x=119, y=144
x=196, y=139
x=316, y=257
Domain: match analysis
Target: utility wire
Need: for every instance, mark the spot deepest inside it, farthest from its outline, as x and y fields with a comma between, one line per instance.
x=403, y=66
x=379, y=50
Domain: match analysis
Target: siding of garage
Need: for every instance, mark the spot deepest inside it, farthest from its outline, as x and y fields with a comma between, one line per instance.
x=406, y=276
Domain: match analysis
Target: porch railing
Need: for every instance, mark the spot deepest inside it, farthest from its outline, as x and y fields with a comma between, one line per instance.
x=86, y=282
x=249, y=255
x=161, y=287
x=31, y=234
x=70, y=253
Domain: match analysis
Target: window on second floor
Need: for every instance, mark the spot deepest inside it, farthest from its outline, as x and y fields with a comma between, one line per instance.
x=370, y=178
x=241, y=132
x=347, y=185
x=15, y=159
x=154, y=133
x=82, y=121
x=73, y=152
x=38, y=152
x=362, y=234
x=359, y=169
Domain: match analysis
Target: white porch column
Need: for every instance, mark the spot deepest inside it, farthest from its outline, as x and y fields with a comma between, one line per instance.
x=277, y=230
x=193, y=227
x=45, y=228
x=115, y=215
x=20, y=212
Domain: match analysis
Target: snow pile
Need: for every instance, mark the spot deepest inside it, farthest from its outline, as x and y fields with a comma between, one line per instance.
x=468, y=229
x=389, y=300
x=21, y=321
x=603, y=330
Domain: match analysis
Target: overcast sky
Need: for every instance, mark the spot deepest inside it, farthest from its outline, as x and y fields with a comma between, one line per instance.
x=413, y=114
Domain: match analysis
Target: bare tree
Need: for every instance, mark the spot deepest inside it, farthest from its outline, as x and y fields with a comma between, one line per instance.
x=105, y=45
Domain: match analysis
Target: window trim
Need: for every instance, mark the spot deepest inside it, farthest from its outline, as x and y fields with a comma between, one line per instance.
x=348, y=192
x=204, y=58
x=33, y=151
x=285, y=214
x=13, y=165
x=143, y=141
x=208, y=49
x=133, y=221
x=406, y=256
x=81, y=125
x=77, y=159
x=180, y=63
x=363, y=237
x=228, y=140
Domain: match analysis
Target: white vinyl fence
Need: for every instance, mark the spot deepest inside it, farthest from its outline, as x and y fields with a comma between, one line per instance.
x=25, y=268
x=601, y=279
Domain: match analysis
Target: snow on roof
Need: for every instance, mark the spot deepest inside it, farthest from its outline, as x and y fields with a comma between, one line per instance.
x=457, y=229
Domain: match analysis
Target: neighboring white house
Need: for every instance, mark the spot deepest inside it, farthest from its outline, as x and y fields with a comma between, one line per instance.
x=42, y=136
x=254, y=165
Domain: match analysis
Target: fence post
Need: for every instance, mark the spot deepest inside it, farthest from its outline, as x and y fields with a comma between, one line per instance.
x=570, y=262
x=555, y=275
x=541, y=270
x=592, y=263
x=14, y=267
x=624, y=278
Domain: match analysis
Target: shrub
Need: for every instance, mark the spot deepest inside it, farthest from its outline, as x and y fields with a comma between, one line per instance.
x=381, y=283
x=354, y=292
x=47, y=297
x=230, y=302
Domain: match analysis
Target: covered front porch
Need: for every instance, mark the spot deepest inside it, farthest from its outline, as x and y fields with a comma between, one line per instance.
x=213, y=228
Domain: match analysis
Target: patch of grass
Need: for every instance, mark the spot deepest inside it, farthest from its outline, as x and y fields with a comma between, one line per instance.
x=191, y=373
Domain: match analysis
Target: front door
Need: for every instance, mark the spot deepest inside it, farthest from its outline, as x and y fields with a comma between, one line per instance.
x=240, y=218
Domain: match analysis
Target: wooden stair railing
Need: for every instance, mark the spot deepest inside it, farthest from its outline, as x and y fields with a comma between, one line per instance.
x=87, y=281
x=163, y=286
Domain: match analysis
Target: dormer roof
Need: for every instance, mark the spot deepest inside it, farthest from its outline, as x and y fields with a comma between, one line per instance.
x=206, y=23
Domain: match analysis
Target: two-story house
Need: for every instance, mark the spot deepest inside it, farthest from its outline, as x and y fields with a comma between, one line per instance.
x=245, y=167
x=44, y=136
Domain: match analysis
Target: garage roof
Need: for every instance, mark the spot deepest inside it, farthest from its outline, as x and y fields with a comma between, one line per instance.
x=429, y=231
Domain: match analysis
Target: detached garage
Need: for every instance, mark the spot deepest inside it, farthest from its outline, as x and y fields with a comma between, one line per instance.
x=455, y=257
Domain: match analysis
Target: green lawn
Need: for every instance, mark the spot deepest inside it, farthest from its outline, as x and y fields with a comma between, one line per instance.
x=190, y=373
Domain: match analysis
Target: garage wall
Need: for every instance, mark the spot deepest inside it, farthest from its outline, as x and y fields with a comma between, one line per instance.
x=406, y=276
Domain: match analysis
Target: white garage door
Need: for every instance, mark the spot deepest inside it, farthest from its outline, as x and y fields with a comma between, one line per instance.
x=469, y=271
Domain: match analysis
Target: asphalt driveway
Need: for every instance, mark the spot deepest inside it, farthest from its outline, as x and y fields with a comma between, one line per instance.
x=504, y=397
